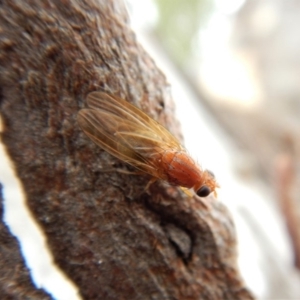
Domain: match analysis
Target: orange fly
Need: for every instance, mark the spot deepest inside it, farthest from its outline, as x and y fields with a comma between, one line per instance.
x=126, y=132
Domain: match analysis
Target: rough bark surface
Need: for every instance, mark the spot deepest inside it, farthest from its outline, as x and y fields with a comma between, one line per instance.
x=15, y=281
x=114, y=240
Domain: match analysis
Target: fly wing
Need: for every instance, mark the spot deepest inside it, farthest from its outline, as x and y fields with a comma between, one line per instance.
x=126, y=132
x=100, y=127
x=145, y=127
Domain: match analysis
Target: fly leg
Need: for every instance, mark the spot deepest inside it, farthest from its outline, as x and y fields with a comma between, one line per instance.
x=187, y=192
x=150, y=182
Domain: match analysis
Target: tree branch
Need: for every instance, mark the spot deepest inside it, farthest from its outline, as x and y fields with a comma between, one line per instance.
x=110, y=237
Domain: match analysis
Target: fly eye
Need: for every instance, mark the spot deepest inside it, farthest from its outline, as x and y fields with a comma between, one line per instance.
x=204, y=191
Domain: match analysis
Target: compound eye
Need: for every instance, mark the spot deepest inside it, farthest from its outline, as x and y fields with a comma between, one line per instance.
x=204, y=191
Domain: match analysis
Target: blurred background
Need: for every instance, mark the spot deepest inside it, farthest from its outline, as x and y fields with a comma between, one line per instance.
x=234, y=72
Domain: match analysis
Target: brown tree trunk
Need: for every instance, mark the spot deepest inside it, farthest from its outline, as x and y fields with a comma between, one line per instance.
x=114, y=240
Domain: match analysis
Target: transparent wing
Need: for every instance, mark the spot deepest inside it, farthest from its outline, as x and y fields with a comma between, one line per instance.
x=144, y=125
x=126, y=132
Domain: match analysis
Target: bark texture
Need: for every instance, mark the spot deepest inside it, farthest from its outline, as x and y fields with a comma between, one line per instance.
x=114, y=240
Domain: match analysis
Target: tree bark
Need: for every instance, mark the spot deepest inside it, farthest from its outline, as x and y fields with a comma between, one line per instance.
x=113, y=239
